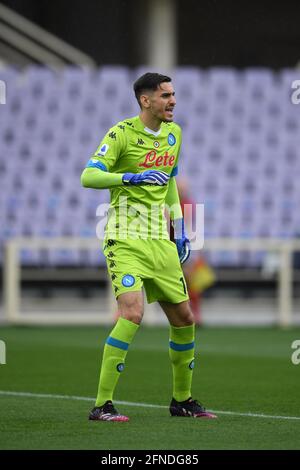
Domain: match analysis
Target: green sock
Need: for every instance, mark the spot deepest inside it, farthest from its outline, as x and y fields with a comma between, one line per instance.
x=181, y=351
x=113, y=359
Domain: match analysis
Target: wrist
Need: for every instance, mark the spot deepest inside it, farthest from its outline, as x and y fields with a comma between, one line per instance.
x=126, y=177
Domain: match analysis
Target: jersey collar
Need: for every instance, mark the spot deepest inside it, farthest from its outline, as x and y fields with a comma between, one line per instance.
x=146, y=129
x=150, y=131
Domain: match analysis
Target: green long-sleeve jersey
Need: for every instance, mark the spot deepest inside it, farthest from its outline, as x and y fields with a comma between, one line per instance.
x=138, y=211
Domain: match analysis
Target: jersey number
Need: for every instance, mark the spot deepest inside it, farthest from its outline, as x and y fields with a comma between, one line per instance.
x=183, y=285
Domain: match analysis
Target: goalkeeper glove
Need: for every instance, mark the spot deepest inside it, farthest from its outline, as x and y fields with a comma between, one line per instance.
x=153, y=177
x=182, y=242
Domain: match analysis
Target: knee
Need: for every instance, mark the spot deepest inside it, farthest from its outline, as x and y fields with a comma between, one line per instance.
x=187, y=317
x=132, y=310
x=134, y=317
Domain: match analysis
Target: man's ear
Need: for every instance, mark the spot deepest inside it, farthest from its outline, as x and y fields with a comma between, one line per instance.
x=145, y=101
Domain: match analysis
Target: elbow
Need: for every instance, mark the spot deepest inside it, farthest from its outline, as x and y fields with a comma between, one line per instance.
x=84, y=179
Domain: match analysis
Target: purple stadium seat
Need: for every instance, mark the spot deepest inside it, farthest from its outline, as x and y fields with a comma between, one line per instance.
x=240, y=150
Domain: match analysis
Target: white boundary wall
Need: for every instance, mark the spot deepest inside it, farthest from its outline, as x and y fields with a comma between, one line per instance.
x=12, y=272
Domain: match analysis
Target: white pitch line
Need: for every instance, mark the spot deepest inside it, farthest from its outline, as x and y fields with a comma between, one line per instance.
x=141, y=405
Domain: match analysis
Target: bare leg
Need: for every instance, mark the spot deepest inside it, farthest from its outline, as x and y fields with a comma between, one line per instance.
x=178, y=314
x=131, y=306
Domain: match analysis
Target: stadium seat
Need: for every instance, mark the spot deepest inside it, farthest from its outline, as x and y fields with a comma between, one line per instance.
x=241, y=151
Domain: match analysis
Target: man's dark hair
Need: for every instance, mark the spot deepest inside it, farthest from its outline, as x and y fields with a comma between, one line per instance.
x=148, y=81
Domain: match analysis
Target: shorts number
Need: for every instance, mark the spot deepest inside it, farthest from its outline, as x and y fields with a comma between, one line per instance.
x=183, y=284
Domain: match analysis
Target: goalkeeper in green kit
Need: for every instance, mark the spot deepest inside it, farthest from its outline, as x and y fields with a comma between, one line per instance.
x=137, y=161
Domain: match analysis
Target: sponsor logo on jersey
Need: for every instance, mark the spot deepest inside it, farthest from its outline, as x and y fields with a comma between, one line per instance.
x=103, y=150
x=156, y=144
x=152, y=159
x=171, y=139
x=140, y=142
x=128, y=280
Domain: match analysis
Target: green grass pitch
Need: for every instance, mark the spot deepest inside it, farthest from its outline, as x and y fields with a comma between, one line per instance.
x=238, y=371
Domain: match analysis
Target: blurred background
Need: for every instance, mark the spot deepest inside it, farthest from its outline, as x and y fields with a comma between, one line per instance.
x=66, y=75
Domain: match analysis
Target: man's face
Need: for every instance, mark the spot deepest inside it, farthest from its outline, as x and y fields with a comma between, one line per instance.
x=161, y=102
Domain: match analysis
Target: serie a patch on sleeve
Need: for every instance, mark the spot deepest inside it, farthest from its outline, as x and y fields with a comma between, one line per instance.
x=103, y=150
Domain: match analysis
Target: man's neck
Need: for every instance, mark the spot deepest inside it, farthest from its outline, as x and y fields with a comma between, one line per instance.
x=150, y=121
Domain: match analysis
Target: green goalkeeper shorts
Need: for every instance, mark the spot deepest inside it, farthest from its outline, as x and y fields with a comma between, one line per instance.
x=153, y=264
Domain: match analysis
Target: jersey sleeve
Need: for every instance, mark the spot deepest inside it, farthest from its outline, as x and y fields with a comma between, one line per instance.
x=110, y=149
x=175, y=168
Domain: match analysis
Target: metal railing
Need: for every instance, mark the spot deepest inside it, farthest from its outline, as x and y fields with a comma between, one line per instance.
x=12, y=272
